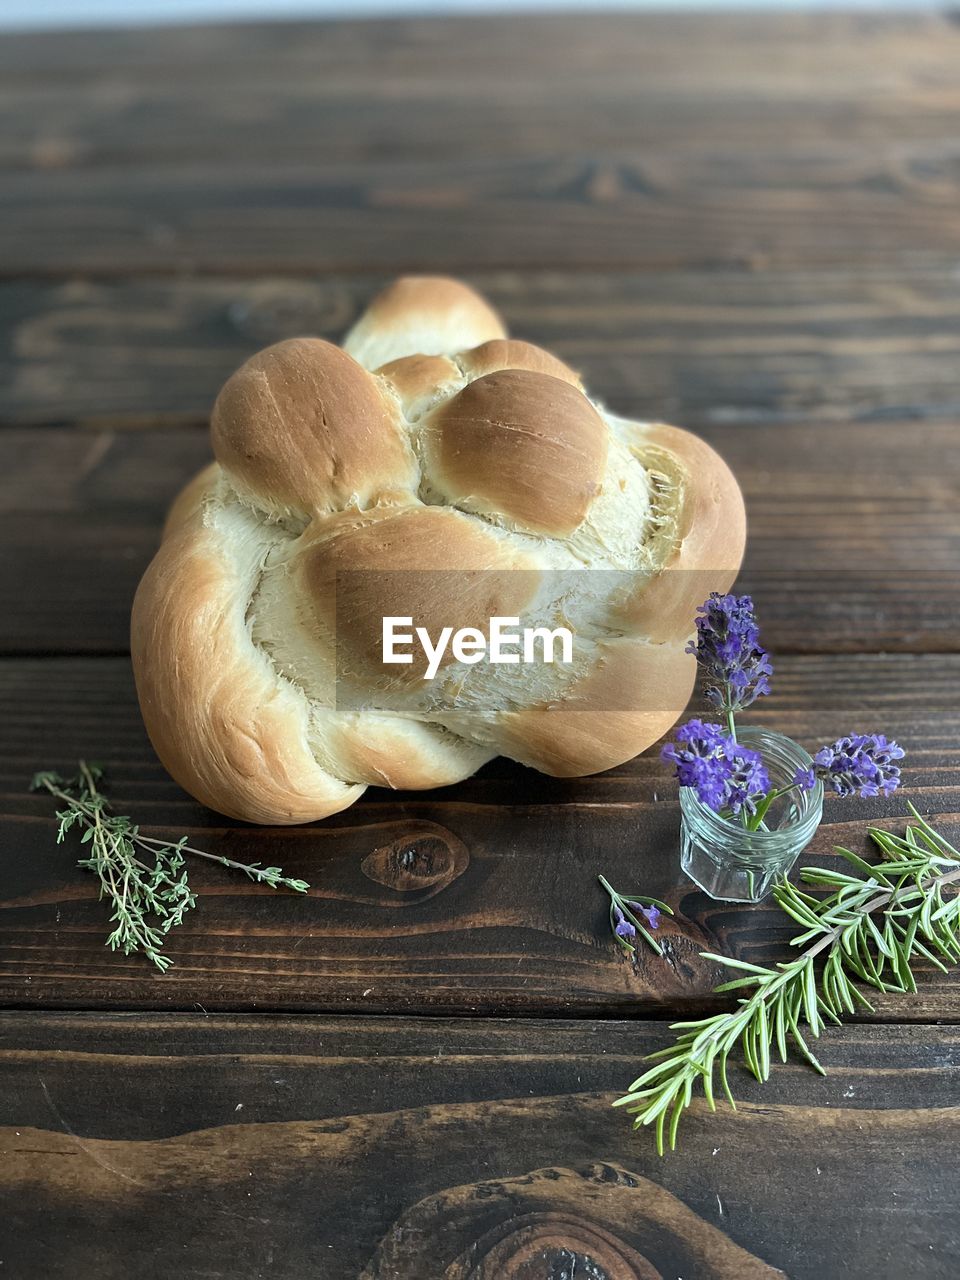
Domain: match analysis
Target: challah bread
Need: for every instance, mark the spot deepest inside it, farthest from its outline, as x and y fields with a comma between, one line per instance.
x=431, y=468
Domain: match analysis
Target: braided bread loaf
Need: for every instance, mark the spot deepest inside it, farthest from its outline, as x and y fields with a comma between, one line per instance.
x=468, y=477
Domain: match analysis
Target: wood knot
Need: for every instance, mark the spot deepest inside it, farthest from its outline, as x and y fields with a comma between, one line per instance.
x=593, y=1222
x=421, y=856
x=556, y=1246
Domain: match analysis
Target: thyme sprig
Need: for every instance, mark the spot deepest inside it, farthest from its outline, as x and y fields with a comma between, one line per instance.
x=144, y=879
x=874, y=923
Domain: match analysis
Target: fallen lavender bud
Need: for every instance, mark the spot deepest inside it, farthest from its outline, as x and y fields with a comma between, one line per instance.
x=650, y=914
x=623, y=929
x=632, y=918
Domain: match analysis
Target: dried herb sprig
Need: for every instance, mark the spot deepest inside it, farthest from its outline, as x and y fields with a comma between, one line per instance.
x=871, y=927
x=144, y=879
x=632, y=916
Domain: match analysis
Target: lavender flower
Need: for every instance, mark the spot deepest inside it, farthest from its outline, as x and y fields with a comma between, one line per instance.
x=732, y=779
x=725, y=774
x=748, y=781
x=623, y=928
x=860, y=764
x=805, y=779
x=729, y=650
x=650, y=914
x=631, y=919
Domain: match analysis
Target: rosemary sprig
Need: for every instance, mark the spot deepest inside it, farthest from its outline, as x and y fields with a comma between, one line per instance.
x=145, y=879
x=874, y=923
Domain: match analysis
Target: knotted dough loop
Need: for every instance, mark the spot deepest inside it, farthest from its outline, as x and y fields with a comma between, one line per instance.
x=430, y=467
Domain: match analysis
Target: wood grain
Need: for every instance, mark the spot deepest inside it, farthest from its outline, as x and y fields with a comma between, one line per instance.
x=344, y=1147
x=405, y=115
x=778, y=141
x=777, y=54
x=854, y=535
x=742, y=223
x=639, y=208
x=500, y=86
x=704, y=349
x=479, y=898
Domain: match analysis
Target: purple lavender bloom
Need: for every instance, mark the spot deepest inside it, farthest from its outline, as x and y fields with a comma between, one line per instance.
x=623, y=928
x=860, y=764
x=805, y=779
x=697, y=755
x=650, y=914
x=700, y=739
x=728, y=648
x=725, y=774
x=748, y=781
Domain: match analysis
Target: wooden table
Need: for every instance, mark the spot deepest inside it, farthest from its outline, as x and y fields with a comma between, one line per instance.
x=747, y=225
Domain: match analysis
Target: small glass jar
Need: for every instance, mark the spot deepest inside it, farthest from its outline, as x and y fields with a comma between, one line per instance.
x=732, y=864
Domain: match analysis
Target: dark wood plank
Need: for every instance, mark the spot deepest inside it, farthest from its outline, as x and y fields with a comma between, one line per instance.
x=503, y=86
x=854, y=534
x=287, y=91
x=504, y=914
x=340, y=146
x=286, y=117
x=447, y=144
x=811, y=206
x=379, y=1148
x=700, y=348
x=778, y=51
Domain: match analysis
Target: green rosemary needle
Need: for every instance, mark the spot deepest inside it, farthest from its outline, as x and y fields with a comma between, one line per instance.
x=875, y=922
x=144, y=879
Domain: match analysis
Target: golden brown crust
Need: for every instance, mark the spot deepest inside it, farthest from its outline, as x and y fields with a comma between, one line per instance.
x=708, y=535
x=388, y=750
x=422, y=315
x=302, y=428
x=222, y=724
x=713, y=526
x=634, y=695
x=446, y=487
x=510, y=353
x=432, y=564
x=188, y=502
x=522, y=444
x=420, y=381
